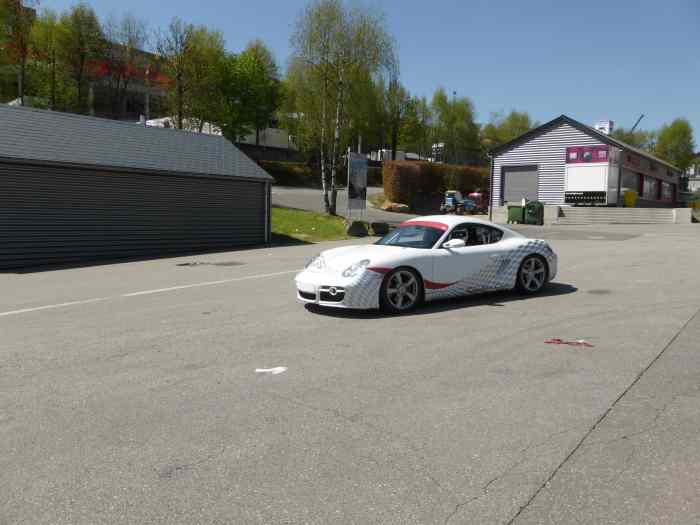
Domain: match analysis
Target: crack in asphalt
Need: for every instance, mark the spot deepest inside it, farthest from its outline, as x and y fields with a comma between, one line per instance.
x=485, y=488
x=654, y=423
x=603, y=416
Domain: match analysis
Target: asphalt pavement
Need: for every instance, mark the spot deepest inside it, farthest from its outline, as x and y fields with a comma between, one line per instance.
x=197, y=390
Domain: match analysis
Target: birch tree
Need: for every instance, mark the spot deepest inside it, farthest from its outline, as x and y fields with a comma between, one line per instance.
x=333, y=45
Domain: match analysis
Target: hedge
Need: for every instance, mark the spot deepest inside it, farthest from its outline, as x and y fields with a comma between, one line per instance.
x=405, y=180
x=299, y=174
x=291, y=173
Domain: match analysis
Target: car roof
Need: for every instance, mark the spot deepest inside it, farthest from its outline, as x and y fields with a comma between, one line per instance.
x=447, y=222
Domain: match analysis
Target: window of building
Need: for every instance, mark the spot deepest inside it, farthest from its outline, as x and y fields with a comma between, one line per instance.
x=602, y=154
x=651, y=190
x=573, y=155
x=667, y=191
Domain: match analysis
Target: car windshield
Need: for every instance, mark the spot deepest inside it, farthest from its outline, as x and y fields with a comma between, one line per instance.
x=423, y=237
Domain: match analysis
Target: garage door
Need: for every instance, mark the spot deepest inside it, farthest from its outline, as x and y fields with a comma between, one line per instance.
x=58, y=214
x=519, y=182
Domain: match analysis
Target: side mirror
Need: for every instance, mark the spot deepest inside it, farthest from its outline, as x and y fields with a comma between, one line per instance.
x=454, y=243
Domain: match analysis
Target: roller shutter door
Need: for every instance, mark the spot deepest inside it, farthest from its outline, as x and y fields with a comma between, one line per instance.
x=59, y=215
x=519, y=182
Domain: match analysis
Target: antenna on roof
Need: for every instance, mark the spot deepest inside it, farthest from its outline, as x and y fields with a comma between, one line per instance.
x=637, y=123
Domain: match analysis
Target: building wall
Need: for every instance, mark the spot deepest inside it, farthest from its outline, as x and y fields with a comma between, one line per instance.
x=548, y=152
x=58, y=214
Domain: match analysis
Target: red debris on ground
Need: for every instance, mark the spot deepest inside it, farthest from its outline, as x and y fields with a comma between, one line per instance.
x=581, y=343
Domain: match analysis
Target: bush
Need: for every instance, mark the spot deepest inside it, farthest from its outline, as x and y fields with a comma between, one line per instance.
x=405, y=181
x=299, y=174
x=402, y=180
x=291, y=173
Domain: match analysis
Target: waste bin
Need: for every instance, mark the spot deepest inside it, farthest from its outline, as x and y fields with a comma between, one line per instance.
x=515, y=215
x=534, y=213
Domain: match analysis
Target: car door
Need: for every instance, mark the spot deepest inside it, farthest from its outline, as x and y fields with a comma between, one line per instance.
x=471, y=268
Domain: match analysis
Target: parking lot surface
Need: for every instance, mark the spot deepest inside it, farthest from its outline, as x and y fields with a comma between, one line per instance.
x=197, y=390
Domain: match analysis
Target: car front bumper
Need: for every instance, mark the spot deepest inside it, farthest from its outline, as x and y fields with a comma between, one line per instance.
x=328, y=289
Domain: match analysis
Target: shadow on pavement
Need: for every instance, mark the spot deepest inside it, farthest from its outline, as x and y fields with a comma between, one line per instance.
x=277, y=241
x=495, y=299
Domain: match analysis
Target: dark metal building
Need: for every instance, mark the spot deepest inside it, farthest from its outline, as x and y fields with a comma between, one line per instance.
x=75, y=188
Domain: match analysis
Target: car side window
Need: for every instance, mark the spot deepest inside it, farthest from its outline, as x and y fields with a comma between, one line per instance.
x=479, y=235
x=460, y=232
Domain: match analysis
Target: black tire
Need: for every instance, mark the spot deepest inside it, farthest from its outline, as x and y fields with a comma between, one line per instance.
x=401, y=291
x=533, y=275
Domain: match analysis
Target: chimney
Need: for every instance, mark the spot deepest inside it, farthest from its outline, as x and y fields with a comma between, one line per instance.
x=605, y=126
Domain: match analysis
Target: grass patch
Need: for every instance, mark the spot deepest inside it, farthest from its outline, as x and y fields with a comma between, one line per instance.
x=307, y=226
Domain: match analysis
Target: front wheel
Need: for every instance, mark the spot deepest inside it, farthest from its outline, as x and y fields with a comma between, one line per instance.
x=401, y=291
x=532, y=275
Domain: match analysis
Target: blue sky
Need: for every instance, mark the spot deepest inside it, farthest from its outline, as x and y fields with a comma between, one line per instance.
x=591, y=60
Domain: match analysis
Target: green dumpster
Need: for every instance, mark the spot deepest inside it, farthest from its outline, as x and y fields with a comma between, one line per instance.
x=515, y=215
x=534, y=213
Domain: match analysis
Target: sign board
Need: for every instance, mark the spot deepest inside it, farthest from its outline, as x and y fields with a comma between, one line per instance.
x=586, y=154
x=357, y=181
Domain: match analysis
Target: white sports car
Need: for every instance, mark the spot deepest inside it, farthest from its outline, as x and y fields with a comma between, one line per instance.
x=424, y=259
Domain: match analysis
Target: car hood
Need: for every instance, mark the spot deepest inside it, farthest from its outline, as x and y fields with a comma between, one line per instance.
x=338, y=259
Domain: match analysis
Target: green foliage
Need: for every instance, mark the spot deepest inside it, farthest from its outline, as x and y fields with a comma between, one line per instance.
x=416, y=130
x=641, y=139
x=80, y=42
x=501, y=130
x=456, y=128
x=202, y=65
x=290, y=173
x=676, y=144
x=334, y=47
x=262, y=78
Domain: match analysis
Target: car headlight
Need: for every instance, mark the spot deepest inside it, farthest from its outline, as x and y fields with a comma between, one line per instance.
x=315, y=263
x=352, y=271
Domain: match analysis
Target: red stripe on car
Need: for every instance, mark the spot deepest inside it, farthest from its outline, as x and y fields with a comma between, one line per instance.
x=379, y=270
x=430, y=285
x=429, y=224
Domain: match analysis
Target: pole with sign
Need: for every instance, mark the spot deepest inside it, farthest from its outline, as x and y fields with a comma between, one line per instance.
x=357, y=182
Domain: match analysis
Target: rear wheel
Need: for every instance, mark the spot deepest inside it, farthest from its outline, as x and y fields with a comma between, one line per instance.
x=532, y=275
x=402, y=290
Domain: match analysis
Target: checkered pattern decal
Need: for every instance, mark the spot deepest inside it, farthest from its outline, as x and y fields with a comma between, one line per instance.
x=497, y=275
x=364, y=292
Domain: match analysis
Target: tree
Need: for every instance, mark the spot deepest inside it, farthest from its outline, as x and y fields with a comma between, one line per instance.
x=202, y=68
x=501, y=130
x=17, y=20
x=49, y=79
x=125, y=40
x=455, y=128
x=641, y=139
x=174, y=47
x=675, y=143
x=396, y=102
x=416, y=130
x=265, y=86
x=332, y=46
x=80, y=45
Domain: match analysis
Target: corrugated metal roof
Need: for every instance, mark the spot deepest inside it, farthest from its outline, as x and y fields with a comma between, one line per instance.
x=50, y=136
x=607, y=139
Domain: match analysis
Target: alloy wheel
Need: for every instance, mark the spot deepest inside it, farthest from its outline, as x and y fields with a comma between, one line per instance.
x=533, y=274
x=402, y=290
